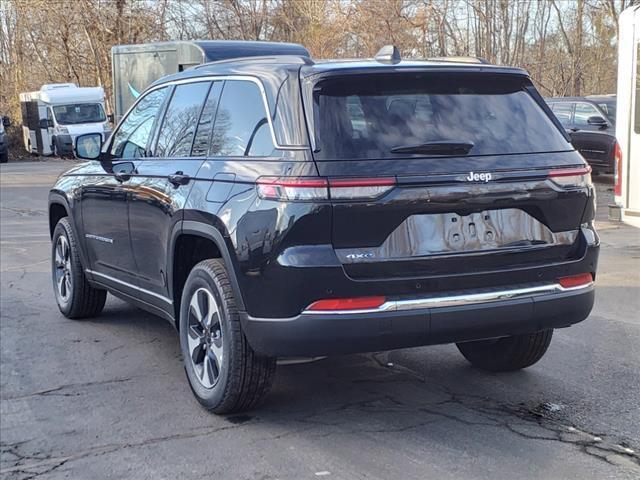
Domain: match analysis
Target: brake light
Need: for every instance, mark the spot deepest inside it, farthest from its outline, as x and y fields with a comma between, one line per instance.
x=357, y=303
x=571, y=177
x=302, y=189
x=576, y=280
x=617, y=175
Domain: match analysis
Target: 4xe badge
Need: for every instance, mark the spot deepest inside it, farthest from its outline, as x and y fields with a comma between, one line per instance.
x=479, y=177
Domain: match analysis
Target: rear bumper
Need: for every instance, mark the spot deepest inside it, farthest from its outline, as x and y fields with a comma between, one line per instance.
x=405, y=323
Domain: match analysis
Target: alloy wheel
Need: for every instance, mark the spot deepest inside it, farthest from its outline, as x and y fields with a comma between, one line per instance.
x=204, y=337
x=62, y=268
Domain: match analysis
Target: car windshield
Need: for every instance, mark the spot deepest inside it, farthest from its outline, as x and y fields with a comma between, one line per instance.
x=429, y=115
x=79, y=113
x=609, y=108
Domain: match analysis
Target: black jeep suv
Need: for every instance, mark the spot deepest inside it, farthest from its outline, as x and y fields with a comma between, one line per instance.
x=276, y=207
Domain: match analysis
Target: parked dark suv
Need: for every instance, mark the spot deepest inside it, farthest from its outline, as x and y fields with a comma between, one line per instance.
x=276, y=207
x=590, y=122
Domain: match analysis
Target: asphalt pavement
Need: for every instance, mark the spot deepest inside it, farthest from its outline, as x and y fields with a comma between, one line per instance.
x=108, y=397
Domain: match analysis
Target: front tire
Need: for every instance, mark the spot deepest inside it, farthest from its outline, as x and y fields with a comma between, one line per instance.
x=224, y=372
x=507, y=353
x=76, y=298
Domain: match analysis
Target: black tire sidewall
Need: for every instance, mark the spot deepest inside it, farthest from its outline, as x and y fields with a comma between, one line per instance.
x=201, y=278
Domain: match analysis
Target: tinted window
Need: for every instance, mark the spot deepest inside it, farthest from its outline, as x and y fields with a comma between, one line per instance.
x=132, y=136
x=494, y=114
x=563, y=112
x=181, y=119
x=609, y=108
x=241, y=127
x=205, y=124
x=583, y=112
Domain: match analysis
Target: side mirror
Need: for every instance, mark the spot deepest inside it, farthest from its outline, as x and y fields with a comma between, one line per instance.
x=597, y=121
x=45, y=123
x=88, y=146
x=6, y=121
x=111, y=118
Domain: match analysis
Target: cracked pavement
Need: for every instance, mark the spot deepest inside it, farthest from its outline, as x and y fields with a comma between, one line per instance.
x=108, y=398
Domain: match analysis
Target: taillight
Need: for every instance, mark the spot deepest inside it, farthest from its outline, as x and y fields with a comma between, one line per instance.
x=292, y=189
x=571, y=177
x=357, y=303
x=359, y=188
x=579, y=280
x=617, y=175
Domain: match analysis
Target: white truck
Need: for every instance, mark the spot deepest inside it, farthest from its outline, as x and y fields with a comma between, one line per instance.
x=55, y=115
x=627, y=171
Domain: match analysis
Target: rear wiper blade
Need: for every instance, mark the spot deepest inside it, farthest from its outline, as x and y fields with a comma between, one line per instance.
x=439, y=147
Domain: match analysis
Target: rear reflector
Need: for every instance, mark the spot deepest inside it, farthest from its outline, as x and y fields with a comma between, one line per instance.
x=291, y=189
x=576, y=280
x=357, y=303
x=571, y=177
x=617, y=176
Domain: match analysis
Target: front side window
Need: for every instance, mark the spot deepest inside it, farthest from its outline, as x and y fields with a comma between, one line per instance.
x=563, y=111
x=241, y=127
x=79, y=113
x=432, y=115
x=609, y=108
x=583, y=112
x=180, y=121
x=131, y=138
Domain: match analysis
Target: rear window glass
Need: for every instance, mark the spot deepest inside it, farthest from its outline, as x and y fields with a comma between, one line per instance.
x=356, y=119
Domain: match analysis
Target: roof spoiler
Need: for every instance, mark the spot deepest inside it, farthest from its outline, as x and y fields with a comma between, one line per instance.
x=460, y=59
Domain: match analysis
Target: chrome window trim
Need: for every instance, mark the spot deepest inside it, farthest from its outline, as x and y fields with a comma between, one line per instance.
x=458, y=300
x=218, y=78
x=133, y=287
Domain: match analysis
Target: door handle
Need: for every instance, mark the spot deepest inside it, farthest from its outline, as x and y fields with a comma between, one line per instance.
x=179, y=178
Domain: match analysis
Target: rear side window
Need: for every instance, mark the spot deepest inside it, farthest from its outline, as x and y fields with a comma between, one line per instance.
x=563, y=111
x=181, y=119
x=241, y=128
x=368, y=119
x=205, y=124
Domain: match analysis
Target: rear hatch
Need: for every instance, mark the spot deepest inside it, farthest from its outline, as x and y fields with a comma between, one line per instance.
x=440, y=173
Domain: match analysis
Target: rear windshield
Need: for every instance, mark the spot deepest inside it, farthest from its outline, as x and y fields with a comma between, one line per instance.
x=369, y=116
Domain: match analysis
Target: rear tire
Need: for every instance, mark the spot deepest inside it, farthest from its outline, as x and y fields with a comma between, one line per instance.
x=224, y=372
x=76, y=298
x=4, y=157
x=508, y=353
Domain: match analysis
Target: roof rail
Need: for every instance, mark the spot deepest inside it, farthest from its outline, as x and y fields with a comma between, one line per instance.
x=292, y=59
x=460, y=59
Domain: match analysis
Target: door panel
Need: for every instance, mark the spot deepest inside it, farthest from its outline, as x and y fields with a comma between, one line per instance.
x=155, y=206
x=105, y=195
x=162, y=184
x=105, y=221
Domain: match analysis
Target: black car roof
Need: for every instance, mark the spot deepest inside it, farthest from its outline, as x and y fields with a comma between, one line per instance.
x=281, y=64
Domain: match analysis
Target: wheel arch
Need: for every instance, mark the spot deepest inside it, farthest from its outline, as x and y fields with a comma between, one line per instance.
x=184, y=233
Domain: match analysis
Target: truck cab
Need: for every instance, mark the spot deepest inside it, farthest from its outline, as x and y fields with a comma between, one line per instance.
x=55, y=115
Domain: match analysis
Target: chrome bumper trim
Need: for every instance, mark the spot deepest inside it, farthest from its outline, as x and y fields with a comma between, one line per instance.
x=457, y=300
